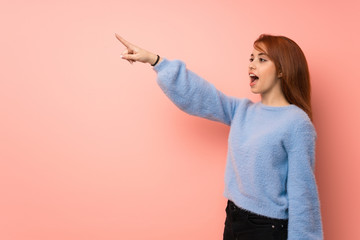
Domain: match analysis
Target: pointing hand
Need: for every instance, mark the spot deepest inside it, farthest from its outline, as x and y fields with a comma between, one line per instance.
x=134, y=53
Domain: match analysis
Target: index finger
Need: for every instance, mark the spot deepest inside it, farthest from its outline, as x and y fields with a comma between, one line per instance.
x=123, y=41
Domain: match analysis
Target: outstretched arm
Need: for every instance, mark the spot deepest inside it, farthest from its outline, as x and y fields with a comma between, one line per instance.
x=191, y=93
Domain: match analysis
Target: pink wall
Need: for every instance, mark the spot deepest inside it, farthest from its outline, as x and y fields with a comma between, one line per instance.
x=90, y=148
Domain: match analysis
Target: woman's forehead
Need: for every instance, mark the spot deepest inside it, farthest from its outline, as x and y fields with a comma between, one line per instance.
x=258, y=52
x=259, y=48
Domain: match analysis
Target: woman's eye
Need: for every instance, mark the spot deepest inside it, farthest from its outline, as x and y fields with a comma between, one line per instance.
x=251, y=59
x=262, y=60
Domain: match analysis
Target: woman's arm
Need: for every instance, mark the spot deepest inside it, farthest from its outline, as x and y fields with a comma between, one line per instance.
x=186, y=90
x=192, y=94
x=304, y=206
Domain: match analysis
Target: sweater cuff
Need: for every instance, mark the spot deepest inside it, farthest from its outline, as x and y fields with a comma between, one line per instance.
x=161, y=65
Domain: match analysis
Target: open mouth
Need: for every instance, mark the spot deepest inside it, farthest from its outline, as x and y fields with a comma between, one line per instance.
x=253, y=79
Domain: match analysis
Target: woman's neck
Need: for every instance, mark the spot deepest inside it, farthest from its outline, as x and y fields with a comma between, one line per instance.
x=276, y=100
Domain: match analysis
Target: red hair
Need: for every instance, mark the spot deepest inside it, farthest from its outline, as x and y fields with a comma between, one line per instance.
x=289, y=60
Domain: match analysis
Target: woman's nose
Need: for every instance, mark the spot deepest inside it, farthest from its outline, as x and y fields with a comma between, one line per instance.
x=251, y=66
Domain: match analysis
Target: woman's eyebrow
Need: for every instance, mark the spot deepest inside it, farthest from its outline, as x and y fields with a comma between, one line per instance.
x=259, y=54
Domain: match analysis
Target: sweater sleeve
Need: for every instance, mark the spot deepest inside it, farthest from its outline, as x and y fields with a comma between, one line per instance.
x=304, y=206
x=192, y=94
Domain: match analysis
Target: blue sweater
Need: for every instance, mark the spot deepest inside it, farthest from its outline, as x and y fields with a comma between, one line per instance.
x=271, y=150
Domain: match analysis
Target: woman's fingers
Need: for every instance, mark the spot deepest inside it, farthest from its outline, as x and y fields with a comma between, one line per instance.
x=125, y=52
x=132, y=57
x=133, y=53
x=129, y=53
x=123, y=41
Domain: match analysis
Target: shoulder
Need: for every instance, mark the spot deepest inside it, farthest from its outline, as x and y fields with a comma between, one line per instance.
x=299, y=123
x=300, y=119
x=242, y=103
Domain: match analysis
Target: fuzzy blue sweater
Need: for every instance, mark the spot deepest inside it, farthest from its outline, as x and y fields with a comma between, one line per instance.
x=271, y=150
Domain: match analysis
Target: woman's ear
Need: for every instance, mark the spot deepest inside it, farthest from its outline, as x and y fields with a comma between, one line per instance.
x=280, y=75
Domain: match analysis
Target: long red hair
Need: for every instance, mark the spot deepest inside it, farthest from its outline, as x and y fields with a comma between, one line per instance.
x=290, y=60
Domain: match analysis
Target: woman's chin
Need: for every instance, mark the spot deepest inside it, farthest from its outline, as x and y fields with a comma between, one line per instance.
x=255, y=91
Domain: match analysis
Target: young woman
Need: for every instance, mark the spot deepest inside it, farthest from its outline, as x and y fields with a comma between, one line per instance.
x=269, y=178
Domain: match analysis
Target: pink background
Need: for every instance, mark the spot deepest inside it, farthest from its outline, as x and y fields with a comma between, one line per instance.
x=91, y=148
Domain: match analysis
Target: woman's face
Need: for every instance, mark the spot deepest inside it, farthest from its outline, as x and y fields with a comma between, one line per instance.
x=262, y=73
